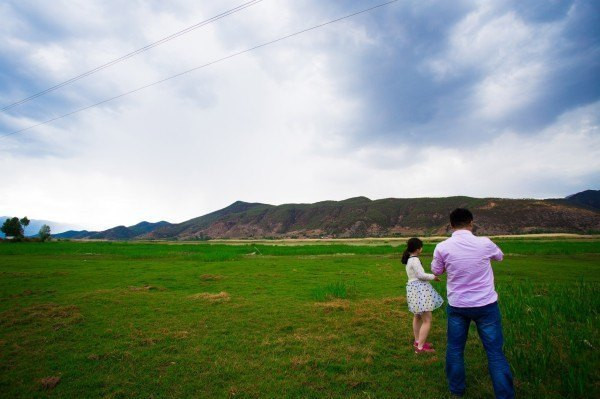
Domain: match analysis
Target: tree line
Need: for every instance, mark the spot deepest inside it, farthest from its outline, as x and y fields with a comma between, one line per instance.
x=15, y=229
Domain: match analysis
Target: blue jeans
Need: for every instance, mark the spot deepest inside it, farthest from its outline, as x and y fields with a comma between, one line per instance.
x=489, y=326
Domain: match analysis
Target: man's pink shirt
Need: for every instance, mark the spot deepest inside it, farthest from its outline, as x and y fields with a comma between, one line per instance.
x=466, y=260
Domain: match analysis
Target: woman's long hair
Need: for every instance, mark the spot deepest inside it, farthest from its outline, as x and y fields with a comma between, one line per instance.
x=411, y=246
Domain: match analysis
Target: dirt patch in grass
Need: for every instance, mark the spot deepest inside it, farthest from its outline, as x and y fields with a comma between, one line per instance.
x=181, y=334
x=102, y=291
x=358, y=384
x=361, y=350
x=116, y=356
x=210, y=297
x=33, y=275
x=211, y=277
x=398, y=299
x=320, y=256
x=27, y=293
x=30, y=293
x=60, y=316
x=233, y=392
x=163, y=368
x=317, y=337
x=145, y=288
x=302, y=335
x=370, y=312
x=48, y=383
x=334, y=305
x=147, y=341
x=299, y=361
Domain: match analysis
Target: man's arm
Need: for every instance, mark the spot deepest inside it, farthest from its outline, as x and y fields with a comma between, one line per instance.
x=494, y=252
x=437, y=264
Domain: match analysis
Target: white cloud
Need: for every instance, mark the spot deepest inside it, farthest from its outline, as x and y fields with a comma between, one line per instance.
x=553, y=163
x=231, y=131
x=513, y=58
x=267, y=126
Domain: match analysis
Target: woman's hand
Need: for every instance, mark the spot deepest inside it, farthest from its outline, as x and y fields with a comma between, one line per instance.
x=436, y=278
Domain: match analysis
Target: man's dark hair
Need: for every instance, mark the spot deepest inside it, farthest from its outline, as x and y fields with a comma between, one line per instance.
x=460, y=217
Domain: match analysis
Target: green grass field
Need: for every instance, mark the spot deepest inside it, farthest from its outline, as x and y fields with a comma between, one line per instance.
x=155, y=320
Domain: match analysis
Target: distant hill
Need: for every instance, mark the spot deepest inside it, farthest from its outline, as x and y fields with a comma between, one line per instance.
x=199, y=224
x=74, y=234
x=115, y=233
x=128, y=233
x=590, y=198
x=362, y=217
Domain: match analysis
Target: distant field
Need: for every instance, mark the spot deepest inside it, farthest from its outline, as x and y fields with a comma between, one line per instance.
x=253, y=319
x=394, y=241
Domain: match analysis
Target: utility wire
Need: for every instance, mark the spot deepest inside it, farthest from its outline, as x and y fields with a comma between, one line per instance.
x=201, y=66
x=133, y=53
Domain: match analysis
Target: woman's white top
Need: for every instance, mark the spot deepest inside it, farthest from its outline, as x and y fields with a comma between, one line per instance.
x=415, y=270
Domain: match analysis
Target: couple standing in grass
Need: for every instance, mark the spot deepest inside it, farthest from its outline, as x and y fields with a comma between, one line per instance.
x=465, y=259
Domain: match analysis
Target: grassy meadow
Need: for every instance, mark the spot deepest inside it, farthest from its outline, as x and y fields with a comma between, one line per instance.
x=253, y=320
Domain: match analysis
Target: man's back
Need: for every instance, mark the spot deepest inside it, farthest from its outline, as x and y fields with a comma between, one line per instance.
x=472, y=298
x=466, y=260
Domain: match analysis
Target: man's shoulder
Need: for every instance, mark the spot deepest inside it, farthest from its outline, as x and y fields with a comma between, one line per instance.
x=448, y=242
x=485, y=240
x=443, y=244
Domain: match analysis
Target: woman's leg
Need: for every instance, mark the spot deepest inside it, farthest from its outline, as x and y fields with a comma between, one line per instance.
x=425, y=327
x=417, y=321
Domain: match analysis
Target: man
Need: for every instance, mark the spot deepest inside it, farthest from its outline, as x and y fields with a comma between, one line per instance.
x=471, y=297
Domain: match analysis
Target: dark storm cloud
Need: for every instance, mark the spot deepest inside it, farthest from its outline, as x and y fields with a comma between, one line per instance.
x=541, y=11
x=402, y=99
x=574, y=79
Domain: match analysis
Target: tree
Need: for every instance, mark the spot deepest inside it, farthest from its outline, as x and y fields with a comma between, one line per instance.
x=14, y=227
x=25, y=222
x=44, y=233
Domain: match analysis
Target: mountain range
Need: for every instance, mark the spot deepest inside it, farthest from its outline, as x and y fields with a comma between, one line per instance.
x=362, y=217
x=589, y=198
x=116, y=233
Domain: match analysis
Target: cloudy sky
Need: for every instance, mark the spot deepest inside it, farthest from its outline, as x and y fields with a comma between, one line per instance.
x=417, y=98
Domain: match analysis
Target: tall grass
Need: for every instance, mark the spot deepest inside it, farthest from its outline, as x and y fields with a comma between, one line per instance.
x=552, y=335
x=558, y=247
x=339, y=290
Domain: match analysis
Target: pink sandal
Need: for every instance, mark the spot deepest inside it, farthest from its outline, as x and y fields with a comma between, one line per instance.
x=426, y=349
x=428, y=345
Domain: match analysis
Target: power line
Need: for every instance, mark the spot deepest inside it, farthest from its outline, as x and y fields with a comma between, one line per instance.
x=133, y=53
x=201, y=66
